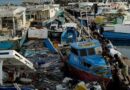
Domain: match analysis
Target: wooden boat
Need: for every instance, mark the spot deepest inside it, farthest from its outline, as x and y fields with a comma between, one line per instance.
x=85, y=62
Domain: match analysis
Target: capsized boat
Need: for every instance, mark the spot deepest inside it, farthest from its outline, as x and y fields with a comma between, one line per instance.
x=85, y=62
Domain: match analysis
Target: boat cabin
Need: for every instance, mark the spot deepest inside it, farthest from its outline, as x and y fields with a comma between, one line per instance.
x=86, y=48
x=11, y=62
x=40, y=12
x=87, y=57
x=117, y=22
x=12, y=19
x=37, y=24
x=37, y=33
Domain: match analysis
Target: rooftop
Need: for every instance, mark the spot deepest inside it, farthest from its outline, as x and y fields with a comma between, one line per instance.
x=86, y=44
x=71, y=24
x=10, y=11
x=37, y=7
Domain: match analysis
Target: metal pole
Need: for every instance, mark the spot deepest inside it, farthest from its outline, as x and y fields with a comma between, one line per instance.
x=24, y=19
x=14, y=30
x=1, y=72
x=0, y=23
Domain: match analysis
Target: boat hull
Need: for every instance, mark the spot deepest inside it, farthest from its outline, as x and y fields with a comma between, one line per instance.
x=85, y=76
x=117, y=38
x=6, y=45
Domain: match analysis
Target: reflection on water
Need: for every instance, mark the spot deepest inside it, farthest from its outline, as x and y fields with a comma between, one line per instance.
x=125, y=50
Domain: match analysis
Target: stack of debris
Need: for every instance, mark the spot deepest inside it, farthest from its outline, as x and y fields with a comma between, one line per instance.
x=47, y=64
x=70, y=84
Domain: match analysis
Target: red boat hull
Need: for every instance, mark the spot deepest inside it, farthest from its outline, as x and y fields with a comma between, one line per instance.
x=85, y=76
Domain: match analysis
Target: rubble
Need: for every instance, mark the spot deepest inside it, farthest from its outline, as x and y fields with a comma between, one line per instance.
x=47, y=64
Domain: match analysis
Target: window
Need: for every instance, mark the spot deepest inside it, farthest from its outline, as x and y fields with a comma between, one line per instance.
x=3, y=53
x=36, y=24
x=74, y=51
x=55, y=34
x=91, y=51
x=83, y=52
x=86, y=64
x=98, y=50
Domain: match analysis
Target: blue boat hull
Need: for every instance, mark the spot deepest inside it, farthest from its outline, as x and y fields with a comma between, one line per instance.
x=70, y=32
x=6, y=45
x=118, y=39
x=13, y=44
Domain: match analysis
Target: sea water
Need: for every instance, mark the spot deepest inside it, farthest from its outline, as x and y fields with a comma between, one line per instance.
x=125, y=50
x=17, y=2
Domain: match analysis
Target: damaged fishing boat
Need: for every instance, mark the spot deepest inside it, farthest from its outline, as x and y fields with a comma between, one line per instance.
x=13, y=67
x=12, y=27
x=85, y=62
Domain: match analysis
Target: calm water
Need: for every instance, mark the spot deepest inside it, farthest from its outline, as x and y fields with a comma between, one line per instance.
x=10, y=1
x=17, y=2
x=125, y=50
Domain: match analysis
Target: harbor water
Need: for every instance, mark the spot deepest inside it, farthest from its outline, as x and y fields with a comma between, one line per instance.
x=10, y=1
x=125, y=50
x=17, y=2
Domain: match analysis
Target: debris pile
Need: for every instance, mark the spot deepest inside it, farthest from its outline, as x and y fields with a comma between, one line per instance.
x=71, y=84
x=47, y=65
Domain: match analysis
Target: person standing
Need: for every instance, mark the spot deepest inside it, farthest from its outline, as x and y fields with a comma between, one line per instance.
x=123, y=68
x=93, y=25
x=95, y=9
